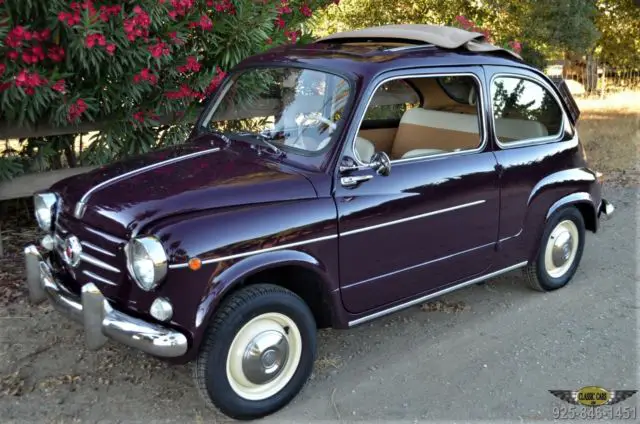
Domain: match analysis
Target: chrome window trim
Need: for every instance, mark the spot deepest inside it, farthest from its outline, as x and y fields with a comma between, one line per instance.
x=483, y=120
x=435, y=294
x=81, y=205
x=255, y=252
x=98, y=278
x=411, y=218
x=528, y=141
x=97, y=249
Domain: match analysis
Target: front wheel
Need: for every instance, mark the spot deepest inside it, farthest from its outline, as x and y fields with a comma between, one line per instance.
x=560, y=251
x=258, y=352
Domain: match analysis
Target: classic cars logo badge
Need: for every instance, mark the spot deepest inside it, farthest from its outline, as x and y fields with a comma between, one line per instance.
x=72, y=250
x=593, y=396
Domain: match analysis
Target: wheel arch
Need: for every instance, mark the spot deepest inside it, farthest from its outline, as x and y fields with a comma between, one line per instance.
x=294, y=270
x=582, y=201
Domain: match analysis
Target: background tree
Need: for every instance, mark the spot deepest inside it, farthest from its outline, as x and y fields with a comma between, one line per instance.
x=137, y=69
x=542, y=27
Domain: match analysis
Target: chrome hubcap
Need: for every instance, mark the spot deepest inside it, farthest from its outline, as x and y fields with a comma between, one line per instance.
x=561, y=248
x=264, y=356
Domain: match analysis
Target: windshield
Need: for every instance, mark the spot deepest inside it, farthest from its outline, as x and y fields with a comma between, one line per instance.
x=291, y=108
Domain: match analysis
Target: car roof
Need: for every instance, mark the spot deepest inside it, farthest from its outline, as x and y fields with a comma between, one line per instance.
x=377, y=50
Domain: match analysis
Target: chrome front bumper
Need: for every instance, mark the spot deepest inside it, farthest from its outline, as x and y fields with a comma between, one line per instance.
x=98, y=317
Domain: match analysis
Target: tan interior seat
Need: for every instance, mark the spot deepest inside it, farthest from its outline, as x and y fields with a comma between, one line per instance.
x=364, y=149
x=434, y=131
x=508, y=129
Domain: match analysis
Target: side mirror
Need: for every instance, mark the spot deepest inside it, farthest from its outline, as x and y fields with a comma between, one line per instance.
x=381, y=163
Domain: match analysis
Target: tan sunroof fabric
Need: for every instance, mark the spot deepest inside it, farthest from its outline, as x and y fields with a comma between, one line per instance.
x=438, y=35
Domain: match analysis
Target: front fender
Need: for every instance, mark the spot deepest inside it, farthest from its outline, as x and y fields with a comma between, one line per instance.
x=233, y=243
x=230, y=278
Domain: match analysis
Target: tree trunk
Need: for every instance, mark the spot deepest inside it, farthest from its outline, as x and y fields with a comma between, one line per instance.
x=603, y=88
x=591, y=77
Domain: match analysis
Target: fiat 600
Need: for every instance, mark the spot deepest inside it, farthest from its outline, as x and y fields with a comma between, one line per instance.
x=323, y=185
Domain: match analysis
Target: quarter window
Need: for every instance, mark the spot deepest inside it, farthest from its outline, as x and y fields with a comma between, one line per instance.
x=524, y=110
x=391, y=101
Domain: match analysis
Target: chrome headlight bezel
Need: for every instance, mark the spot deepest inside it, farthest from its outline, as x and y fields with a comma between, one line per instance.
x=147, y=249
x=44, y=209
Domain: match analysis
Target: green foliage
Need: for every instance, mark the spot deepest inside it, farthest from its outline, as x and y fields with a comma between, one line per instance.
x=543, y=27
x=619, y=23
x=140, y=67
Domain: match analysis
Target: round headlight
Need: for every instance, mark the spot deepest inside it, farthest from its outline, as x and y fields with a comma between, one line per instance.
x=146, y=262
x=43, y=204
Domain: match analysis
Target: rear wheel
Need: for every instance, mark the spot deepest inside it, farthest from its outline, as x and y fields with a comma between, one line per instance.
x=560, y=251
x=258, y=352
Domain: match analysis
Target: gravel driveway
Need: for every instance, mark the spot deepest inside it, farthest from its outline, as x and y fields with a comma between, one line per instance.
x=487, y=352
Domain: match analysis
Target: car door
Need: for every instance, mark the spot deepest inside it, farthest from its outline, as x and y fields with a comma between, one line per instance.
x=433, y=221
x=534, y=140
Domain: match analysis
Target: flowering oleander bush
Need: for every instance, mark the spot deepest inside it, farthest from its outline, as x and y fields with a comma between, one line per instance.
x=126, y=64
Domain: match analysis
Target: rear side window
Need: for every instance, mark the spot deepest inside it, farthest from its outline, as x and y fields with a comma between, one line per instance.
x=524, y=110
x=391, y=100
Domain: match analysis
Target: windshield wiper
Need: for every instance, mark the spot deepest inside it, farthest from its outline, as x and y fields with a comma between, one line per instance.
x=264, y=138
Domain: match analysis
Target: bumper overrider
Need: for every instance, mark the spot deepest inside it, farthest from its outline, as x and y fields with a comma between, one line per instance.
x=606, y=209
x=99, y=319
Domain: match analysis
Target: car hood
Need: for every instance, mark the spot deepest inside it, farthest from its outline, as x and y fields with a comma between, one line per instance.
x=122, y=198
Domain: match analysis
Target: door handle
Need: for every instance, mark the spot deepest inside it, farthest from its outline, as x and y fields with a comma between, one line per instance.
x=355, y=180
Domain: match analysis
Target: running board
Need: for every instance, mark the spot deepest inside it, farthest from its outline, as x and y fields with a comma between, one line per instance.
x=435, y=294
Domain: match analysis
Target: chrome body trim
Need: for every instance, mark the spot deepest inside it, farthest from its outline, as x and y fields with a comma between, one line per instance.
x=483, y=120
x=435, y=294
x=96, y=277
x=97, y=262
x=98, y=317
x=411, y=218
x=97, y=249
x=531, y=141
x=81, y=205
x=255, y=252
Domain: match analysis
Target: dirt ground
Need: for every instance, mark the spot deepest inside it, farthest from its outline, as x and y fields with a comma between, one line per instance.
x=487, y=352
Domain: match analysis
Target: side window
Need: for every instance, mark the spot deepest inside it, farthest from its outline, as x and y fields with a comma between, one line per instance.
x=430, y=123
x=523, y=110
x=391, y=100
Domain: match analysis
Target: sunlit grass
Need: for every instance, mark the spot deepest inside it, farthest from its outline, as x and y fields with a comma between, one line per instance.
x=610, y=131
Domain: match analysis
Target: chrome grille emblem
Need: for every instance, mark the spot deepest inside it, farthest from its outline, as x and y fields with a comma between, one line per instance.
x=72, y=251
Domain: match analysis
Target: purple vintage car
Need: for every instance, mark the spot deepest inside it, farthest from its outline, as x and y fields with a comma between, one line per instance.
x=323, y=185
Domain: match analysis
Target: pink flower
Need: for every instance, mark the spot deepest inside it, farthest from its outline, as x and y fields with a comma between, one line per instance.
x=215, y=82
x=139, y=116
x=13, y=55
x=111, y=48
x=29, y=81
x=516, y=46
x=76, y=110
x=93, y=39
x=59, y=86
x=292, y=35
x=56, y=53
x=280, y=22
x=145, y=75
x=3, y=68
x=191, y=65
x=205, y=23
x=306, y=10
x=158, y=50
